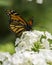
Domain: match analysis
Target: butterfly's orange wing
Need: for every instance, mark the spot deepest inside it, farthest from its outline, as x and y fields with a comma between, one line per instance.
x=16, y=17
x=30, y=22
x=17, y=23
x=16, y=27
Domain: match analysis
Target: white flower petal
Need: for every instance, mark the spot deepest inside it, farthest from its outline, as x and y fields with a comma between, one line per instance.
x=48, y=35
x=17, y=41
x=45, y=43
x=47, y=54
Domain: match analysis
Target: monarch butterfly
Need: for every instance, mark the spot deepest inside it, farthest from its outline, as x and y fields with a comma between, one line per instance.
x=17, y=24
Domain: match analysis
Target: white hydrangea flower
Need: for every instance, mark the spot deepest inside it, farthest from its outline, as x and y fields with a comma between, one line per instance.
x=35, y=58
x=38, y=33
x=17, y=58
x=17, y=41
x=6, y=62
x=47, y=54
x=28, y=39
x=29, y=58
x=39, y=1
x=5, y=57
x=48, y=35
x=21, y=47
x=25, y=55
x=45, y=43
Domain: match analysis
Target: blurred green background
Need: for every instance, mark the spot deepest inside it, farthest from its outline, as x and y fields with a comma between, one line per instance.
x=41, y=14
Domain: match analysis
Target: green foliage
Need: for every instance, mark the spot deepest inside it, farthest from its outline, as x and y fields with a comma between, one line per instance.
x=5, y=3
x=36, y=46
x=7, y=47
x=49, y=63
x=50, y=41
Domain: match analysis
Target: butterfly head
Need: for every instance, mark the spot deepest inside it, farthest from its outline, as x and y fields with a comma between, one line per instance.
x=11, y=12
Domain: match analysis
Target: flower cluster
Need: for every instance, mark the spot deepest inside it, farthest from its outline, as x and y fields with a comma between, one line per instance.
x=33, y=40
x=32, y=48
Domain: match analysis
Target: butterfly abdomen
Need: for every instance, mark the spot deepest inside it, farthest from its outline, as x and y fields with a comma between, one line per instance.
x=28, y=28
